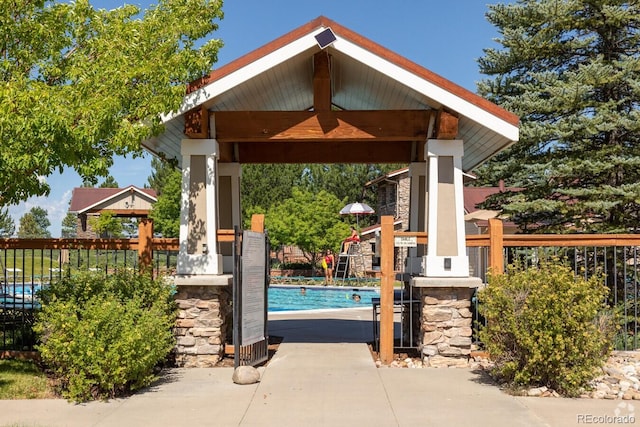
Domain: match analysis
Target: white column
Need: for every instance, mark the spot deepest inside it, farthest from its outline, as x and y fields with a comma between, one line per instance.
x=199, y=209
x=230, y=213
x=417, y=213
x=446, y=250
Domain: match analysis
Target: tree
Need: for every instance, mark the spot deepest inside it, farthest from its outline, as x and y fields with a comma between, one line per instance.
x=265, y=185
x=34, y=224
x=70, y=226
x=161, y=170
x=310, y=221
x=109, y=182
x=106, y=225
x=7, y=226
x=569, y=69
x=166, y=211
x=80, y=85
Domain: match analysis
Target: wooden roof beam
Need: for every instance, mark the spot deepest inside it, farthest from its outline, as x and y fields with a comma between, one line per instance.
x=322, y=81
x=374, y=125
x=446, y=125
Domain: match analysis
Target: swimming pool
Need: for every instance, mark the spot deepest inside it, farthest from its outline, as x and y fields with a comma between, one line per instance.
x=292, y=298
x=26, y=291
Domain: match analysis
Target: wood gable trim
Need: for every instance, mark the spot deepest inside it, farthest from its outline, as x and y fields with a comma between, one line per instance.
x=366, y=44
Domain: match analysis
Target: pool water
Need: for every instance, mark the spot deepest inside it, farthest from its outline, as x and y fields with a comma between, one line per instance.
x=26, y=291
x=291, y=298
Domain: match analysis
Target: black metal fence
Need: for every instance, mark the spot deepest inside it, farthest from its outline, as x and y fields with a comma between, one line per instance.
x=24, y=271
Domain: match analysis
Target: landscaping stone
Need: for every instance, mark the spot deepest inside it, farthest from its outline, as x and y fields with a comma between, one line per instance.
x=245, y=375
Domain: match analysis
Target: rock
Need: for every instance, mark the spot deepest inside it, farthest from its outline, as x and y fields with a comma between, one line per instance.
x=534, y=392
x=624, y=385
x=245, y=375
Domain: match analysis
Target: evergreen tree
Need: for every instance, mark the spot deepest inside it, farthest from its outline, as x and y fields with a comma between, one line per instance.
x=161, y=170
x=570, y=70
x=69, y=228
x=166, y=211
x=34, y=224
x=264, y=185
x=7, y=226
x=109, y=182
x=347, y=181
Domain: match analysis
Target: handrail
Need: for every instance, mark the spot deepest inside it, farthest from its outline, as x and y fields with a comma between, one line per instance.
x=539, y=240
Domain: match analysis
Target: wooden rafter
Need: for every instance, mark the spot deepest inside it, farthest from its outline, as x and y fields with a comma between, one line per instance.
x=322, y=81
x=292, y=126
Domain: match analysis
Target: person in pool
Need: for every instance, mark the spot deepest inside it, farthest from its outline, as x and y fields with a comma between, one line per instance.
x=355, y=297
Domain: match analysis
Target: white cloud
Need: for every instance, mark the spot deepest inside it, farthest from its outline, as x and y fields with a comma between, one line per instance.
x=56, y=210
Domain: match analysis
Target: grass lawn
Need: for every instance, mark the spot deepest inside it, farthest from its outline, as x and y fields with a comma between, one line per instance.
x=23, y=379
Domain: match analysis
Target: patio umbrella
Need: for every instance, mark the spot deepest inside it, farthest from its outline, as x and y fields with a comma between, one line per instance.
x=357, y=209
x=481, y=214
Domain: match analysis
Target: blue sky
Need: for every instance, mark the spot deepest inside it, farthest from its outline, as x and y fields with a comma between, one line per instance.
x=445, y=37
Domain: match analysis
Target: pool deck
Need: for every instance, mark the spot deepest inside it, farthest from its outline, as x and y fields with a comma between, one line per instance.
x=322, y=375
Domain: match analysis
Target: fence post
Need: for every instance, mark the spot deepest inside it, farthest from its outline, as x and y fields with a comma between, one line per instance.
x=386, y=289
x=496, y=246
x=145, y=242
x=257, y=223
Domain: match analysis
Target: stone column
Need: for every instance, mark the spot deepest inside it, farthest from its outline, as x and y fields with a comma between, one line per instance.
x=444, y=288
x=446, y=322
x=199, y=211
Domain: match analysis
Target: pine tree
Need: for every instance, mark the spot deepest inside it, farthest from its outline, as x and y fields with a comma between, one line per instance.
x=571, y=70
x=7, y=226
x=70, y=226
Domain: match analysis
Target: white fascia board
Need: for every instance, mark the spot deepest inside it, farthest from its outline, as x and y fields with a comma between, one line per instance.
x=124, y=190
x=245, y=73
x=429, y=89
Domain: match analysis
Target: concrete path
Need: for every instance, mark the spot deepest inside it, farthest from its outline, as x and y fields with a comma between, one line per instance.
x=322, y=375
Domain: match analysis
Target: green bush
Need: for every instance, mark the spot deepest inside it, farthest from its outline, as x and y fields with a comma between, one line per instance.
x=546, y=326
x=101, y=335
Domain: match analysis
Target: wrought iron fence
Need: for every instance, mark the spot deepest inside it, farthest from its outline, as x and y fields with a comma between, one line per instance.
x=616, y=257
x=27, y=266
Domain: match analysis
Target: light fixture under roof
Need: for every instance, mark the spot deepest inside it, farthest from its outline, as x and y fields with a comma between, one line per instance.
x=325, y=38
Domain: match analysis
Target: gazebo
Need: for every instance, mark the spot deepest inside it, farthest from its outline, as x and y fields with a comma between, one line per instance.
x=325, y=94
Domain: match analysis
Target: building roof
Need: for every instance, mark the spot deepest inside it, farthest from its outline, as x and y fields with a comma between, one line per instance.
x=83, y=199
x=279, y=76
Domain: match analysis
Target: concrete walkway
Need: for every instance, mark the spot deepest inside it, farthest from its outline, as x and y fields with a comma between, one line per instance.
x=322, y=375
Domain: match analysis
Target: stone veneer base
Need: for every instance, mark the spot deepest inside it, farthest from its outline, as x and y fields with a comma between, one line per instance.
x=446, y=319
x=204, y=316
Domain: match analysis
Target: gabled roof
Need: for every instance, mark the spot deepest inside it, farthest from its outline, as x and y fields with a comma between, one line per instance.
x=364, y=76
x=83, y=199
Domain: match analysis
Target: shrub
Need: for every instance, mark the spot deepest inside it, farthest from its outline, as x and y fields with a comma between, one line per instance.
x=102, y=336
x=546, y=326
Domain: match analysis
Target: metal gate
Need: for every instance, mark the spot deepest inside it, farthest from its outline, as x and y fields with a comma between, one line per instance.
x=250, y=282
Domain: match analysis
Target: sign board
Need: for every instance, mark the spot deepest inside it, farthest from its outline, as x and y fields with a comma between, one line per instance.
x=405, y=241
x=253, y=286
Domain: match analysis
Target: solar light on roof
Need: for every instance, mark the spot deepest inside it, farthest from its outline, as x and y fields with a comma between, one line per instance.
x=325, y=38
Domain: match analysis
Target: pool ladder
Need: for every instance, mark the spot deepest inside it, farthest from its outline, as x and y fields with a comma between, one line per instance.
x=350, y=263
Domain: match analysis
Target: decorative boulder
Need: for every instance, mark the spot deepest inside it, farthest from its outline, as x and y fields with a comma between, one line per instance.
x=245, y=375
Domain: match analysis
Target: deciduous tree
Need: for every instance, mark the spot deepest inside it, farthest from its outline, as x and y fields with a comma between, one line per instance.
x=79, y=85
x=308, y=220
